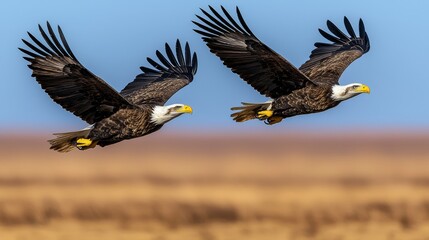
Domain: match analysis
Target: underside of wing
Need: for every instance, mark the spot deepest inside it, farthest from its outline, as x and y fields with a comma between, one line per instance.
x=156, y=85
x=67, y=82
x=239, y=49
x=329, y=60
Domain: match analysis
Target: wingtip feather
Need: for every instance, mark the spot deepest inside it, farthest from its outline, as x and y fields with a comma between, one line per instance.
x=194, y=63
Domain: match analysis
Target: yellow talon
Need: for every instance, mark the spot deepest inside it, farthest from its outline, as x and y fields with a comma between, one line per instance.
x=265, y=114
x=83, y=142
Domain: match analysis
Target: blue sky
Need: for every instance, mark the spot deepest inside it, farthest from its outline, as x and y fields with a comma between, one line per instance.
x=113, y=38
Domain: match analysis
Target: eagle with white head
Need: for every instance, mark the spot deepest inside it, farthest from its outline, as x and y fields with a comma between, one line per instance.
x=113, y=116
x=311, y=88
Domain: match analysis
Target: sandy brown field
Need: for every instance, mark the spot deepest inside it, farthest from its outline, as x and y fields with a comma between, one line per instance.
x=162, y=187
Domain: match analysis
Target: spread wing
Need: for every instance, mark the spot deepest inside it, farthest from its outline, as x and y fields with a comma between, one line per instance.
x=329, y=60
x=239, y=49
x=67, y=82
x=156, y=86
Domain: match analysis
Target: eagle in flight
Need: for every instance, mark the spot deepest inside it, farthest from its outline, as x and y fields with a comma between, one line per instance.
x=113, y=116
x=312, y=88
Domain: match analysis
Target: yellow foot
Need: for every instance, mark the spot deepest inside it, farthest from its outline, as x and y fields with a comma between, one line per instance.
x=85, y=142
x=265, y=114
x=273, y=120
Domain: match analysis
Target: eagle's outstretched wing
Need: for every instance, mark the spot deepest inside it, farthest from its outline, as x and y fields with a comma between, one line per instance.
x=156, y=86
x=239, y=49
x=67, y=81
x=329, y=60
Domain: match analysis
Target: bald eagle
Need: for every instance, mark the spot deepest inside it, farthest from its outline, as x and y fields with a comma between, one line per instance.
x=311, y=88
x=136, y=111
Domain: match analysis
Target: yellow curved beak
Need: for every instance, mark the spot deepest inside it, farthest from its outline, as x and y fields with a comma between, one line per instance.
x=184, y=109
x=363, y=89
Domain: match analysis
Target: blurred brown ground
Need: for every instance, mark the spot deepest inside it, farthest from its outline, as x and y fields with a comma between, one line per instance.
x=218, y=186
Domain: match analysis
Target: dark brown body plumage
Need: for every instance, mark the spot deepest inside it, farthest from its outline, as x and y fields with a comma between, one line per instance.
x=114, y=116
x=294, y=91
x=124, y=124
x=306, y=100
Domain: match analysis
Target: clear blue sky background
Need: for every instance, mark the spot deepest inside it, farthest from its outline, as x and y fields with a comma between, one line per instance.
x=113, y=38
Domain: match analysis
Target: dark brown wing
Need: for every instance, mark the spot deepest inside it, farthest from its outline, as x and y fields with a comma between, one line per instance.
x=69, y=83
x=329, y=60
x=156, y=86
x=239, y=49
